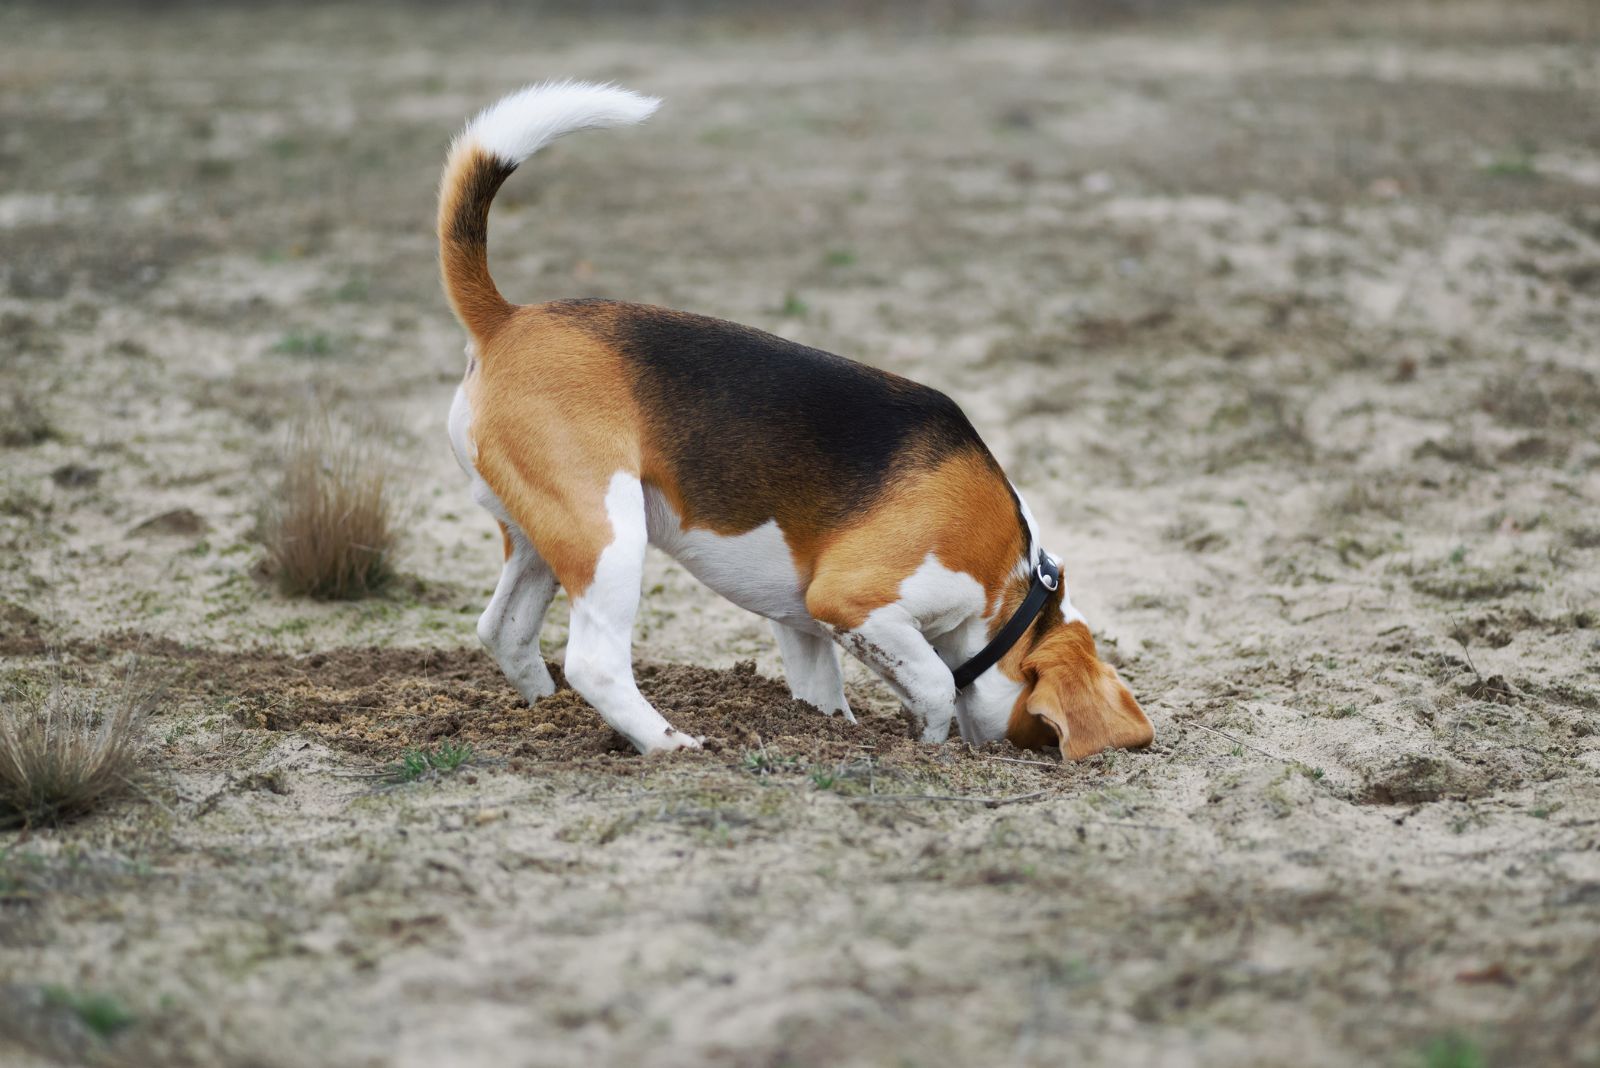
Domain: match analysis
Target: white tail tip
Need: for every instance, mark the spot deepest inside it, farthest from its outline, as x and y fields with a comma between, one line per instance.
x=516, y=126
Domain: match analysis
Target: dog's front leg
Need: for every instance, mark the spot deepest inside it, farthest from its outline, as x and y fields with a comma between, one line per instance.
x=890, y=643
x=599, y=660
x=811, y=664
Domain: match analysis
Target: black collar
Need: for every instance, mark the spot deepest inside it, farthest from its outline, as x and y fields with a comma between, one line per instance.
x=1046, y=580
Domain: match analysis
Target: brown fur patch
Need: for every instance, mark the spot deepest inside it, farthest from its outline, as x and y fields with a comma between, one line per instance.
x=961, y=510
x=552, y=422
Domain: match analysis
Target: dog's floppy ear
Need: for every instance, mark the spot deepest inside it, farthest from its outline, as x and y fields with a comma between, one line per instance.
x=1076, y=699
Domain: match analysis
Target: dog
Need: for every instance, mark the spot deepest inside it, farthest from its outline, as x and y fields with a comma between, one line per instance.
x=849, y=506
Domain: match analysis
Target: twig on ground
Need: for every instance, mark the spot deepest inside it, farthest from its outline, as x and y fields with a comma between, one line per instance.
x=1457, y=633
x=1237, y=741
x=1349, y=604
x=1123, y=823
x=987, y=802
x=1034, y=763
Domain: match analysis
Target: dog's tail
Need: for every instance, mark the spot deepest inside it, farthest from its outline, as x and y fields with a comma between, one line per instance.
x=484, y=155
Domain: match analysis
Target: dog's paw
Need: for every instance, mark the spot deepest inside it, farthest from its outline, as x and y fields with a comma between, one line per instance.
x=537, y=690
x=532, y=680
x=834, y=706
x=672, y=739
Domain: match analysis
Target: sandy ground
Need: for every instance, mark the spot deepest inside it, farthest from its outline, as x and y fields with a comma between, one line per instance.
x=1286, y=329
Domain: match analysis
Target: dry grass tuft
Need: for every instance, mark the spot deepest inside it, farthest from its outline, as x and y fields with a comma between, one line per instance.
x=331, y=530
x=66, y=749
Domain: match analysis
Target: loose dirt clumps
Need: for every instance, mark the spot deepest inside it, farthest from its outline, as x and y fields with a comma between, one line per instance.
x=379, y=702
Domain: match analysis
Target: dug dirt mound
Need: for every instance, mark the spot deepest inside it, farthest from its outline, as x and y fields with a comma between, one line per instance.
x=383, y=701
x=380, y=702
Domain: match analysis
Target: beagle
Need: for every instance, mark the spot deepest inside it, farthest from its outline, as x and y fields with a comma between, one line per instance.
x=849, y=506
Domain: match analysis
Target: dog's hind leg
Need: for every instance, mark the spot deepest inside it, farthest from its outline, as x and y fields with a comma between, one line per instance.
x=509, y=626
x=811, y=664
x=599, y=661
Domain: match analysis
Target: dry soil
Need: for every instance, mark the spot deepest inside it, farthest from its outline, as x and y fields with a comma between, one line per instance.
x=1284, y=325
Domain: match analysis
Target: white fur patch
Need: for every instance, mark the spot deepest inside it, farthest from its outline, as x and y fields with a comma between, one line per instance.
x=943, y=602
x=518, y=125
x=460, y=425
x=755, y=570
x=1025, y=565
x=985, y=708
x=466, y=451
x=600, y=642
